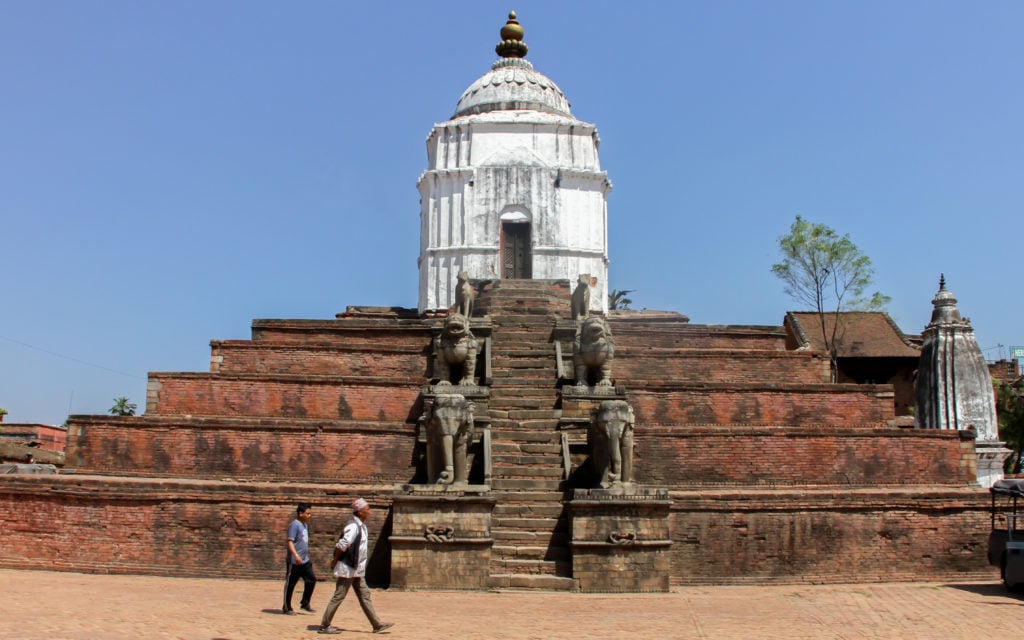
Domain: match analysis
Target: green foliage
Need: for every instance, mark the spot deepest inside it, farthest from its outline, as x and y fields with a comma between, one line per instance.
x=826, y=272
x=617, y=299
x=1010, y=413
x=122, y=407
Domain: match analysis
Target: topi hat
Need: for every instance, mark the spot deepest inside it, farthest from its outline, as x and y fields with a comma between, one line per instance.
x=359, y=504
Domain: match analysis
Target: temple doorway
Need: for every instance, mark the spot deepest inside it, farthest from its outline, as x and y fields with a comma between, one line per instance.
x=515, y=251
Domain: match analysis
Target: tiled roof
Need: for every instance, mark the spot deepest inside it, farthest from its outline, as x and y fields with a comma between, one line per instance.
x=861, y=334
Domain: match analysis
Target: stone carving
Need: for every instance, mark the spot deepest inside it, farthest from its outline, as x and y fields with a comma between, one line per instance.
x=439, y=533
x=464, y=295
x=581, y=298
x=622, y=537
x=455, y=347
x=592, y=352
x=611, y=442
x=449, y=434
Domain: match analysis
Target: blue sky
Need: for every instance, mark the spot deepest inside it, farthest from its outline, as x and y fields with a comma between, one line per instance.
x=171, y=170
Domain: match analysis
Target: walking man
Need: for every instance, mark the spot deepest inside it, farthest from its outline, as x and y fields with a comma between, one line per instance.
x=350, y=570
x=297, y=562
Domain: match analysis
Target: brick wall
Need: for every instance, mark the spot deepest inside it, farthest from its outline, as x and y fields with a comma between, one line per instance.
x=325, y=451
x=679, y=456
x=720, y=536
x=403, y=363
x=829, y=536
x=635, y=366
x=782, y=404
x=175, y=527
x=632, y=332
x=283, y=395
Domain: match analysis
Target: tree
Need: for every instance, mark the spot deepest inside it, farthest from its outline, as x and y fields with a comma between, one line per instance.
x=617, y=299
x=827, y=272
x=1010, y=414
x=123, y=408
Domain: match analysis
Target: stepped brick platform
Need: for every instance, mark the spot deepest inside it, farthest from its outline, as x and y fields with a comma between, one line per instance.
x=772, y=473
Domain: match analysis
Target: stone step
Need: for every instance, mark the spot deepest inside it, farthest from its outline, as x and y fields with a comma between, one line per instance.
x=531, y=566
x=505, y=471
x=527, y=524
x=513, y=496
x=501, y=435
x=540, y=582
x=523, y=403
x=532, y=553
x=534, y=414
x=530, y=484
x=505, y=363
x=529, y=538
x=517, y=448
x=545, y=510
x=500, y=393
x=511, y=459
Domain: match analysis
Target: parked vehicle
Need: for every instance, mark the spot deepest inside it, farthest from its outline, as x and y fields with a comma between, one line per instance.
x=1006, y=541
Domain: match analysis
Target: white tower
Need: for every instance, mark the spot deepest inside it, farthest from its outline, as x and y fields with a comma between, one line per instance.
x=514, y=188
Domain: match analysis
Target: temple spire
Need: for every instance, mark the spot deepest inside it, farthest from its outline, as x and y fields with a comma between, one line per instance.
x=511, y=45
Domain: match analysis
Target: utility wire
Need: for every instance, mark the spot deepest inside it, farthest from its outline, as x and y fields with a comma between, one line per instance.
x=61, y=355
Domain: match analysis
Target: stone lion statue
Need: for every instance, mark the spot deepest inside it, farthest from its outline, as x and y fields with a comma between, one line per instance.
x=610, y=437
x=455, y=348
x=449, y=435
x=592, y=352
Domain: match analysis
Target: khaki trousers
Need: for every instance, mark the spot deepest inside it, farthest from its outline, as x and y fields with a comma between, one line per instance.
x=362, y=594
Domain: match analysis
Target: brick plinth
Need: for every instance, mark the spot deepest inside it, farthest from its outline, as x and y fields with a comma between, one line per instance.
x=175, y=527
x=734, y=536
x=441, y=538
x=621, y=540
x=294, y=450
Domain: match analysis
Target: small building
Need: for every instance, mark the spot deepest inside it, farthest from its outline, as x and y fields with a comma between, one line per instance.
x=870, y=349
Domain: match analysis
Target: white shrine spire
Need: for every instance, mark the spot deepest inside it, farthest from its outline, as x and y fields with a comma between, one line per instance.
x=513, y=188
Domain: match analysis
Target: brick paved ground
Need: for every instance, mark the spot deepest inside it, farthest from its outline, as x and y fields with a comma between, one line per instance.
x=50, y=606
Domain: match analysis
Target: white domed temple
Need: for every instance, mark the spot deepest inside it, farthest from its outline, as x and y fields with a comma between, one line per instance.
x=514, y=187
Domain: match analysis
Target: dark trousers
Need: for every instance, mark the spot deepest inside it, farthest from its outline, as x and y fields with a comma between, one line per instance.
x=291, y=577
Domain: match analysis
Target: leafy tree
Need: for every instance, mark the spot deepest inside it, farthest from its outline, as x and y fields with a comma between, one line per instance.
x=617, y=299
x=828, y=273
x=123, y=408
x=1010, y=413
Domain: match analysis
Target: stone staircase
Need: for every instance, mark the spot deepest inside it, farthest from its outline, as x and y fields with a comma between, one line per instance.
x=529, y=524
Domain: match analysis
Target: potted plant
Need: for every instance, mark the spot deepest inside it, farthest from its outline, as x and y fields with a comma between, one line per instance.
x=3, y=412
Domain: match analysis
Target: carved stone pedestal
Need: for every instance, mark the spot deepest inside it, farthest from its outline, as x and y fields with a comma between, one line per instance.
x=991, y=456
x=620, y=539
x=441, y=537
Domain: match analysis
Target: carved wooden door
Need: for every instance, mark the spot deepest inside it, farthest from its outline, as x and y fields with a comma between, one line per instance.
x=515, y=251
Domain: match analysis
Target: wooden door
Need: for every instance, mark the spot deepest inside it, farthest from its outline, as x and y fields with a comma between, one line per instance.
x=515, y=251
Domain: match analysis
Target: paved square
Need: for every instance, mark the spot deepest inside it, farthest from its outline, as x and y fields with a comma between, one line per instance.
x=42, y=605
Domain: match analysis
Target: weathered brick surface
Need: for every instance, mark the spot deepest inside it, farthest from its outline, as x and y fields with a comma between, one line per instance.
x=678, y=456
x=461, y=562
x=343, y=332
x=724, y=536
x=762, y=404
x=298, y=450
x=636, y=333
x=238, y=356
x=635, y=366
x=294, y=396
x=175, y=527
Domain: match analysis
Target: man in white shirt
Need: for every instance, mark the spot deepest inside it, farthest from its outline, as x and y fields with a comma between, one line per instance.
x=350, y=570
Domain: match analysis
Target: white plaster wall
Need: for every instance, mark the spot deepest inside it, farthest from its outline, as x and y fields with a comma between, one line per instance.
x=543, y=166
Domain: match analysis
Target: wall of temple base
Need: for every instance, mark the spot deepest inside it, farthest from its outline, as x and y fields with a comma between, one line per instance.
x=242, y=448
x=762, y=404
x=176, y=527
x=781, y=456
x=729, y=536
x=719, y=536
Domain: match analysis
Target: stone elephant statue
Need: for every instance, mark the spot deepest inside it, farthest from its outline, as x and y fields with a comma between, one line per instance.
x=610, y=437
x=449, y=435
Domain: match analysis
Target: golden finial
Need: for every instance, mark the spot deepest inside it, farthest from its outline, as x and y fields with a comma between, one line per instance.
x=511, y=45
